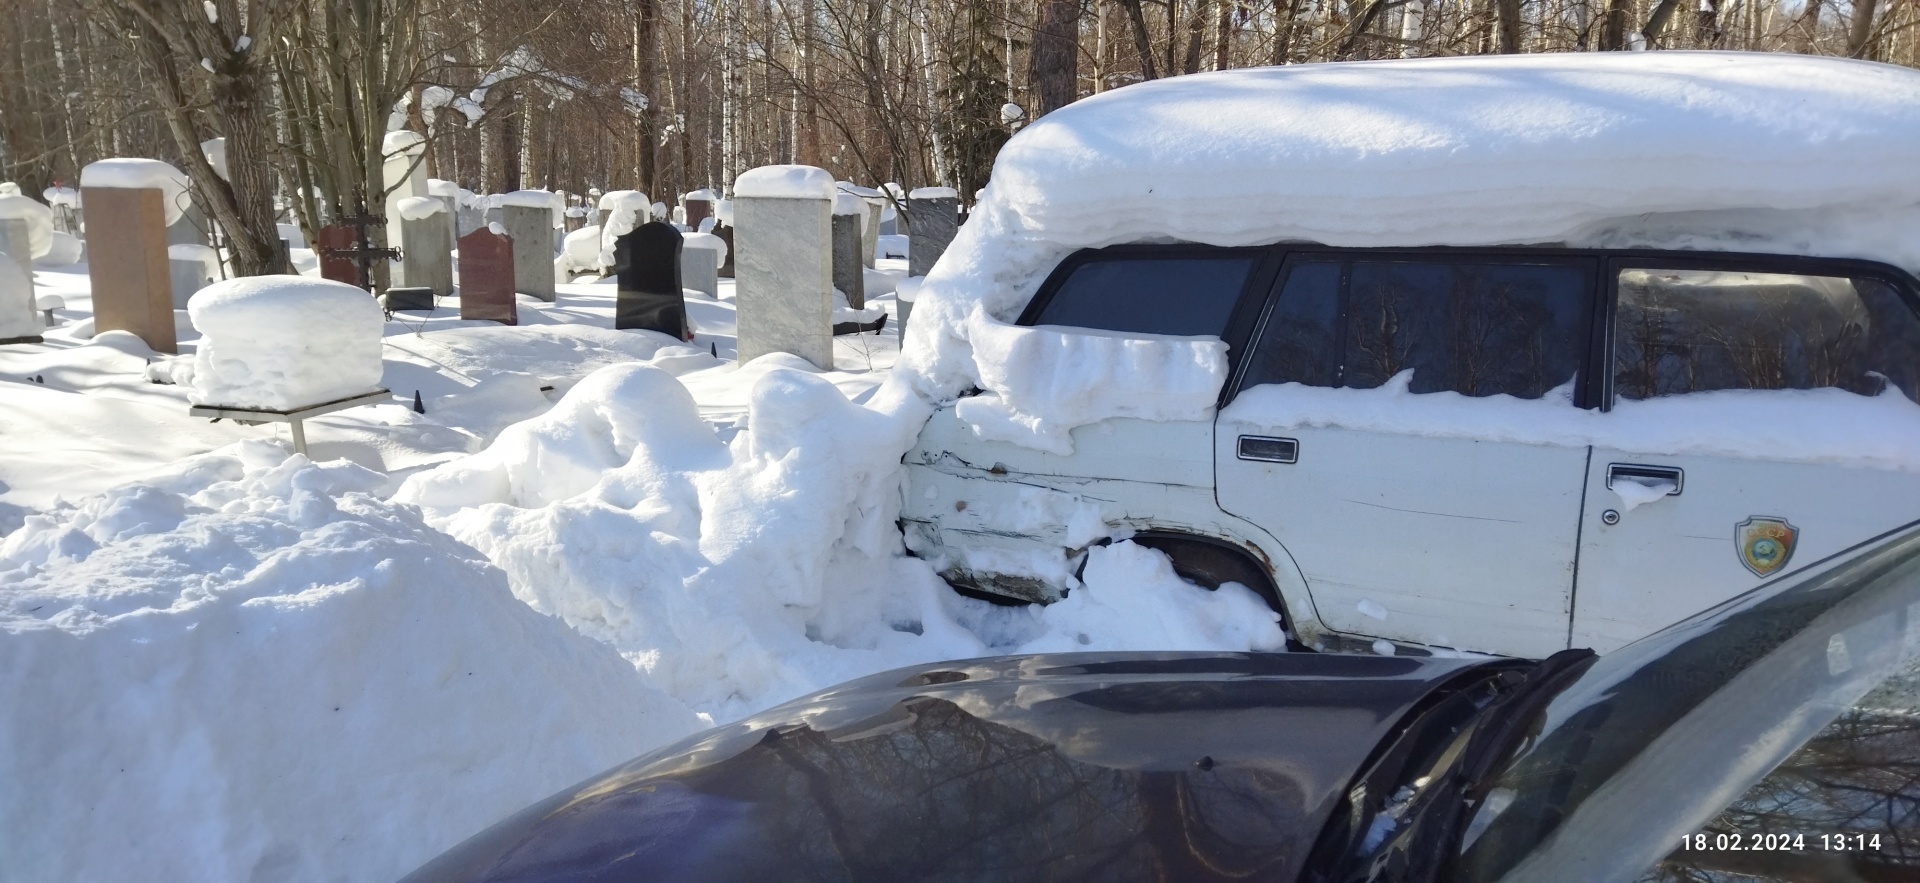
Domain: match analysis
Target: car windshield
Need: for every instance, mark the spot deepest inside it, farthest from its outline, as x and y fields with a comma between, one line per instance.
x=1790, y=711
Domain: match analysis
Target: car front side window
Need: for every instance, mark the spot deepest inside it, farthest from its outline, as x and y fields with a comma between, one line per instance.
x=1181, y=293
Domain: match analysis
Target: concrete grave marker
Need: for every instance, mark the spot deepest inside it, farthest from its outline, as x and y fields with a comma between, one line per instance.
x=425, y=230
x=783, y=218
x=486, y=277
x=191, y=268
x=192, y=227
x=932, y=222
x=849, y=275
x=870, y=227
x=700, y=257
x=18, y=324
x=531, y=229
x=127, y=245
x=647, y=263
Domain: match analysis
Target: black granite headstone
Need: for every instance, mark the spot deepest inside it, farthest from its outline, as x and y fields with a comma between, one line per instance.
x=725, y=232
x=416, y=298
x=647, y=264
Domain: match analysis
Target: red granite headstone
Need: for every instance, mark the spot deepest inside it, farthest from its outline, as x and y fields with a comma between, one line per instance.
x=486, y=277
x=339, y=268
x=698, y=210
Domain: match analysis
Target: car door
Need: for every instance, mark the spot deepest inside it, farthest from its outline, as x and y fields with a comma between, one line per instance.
x=1758, y=424
x=1379, y=432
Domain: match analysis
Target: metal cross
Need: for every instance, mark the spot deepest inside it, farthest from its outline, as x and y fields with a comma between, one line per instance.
x=363, y=253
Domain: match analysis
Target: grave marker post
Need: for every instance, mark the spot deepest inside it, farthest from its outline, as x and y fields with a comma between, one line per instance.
x=783, y=217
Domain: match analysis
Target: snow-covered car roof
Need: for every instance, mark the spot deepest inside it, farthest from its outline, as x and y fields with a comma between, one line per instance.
x=1721, y=151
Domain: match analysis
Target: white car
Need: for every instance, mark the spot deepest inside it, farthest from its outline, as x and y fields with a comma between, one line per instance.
x=1513, y=446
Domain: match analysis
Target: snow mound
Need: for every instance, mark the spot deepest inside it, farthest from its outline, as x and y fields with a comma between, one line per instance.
x=39, y=220
x=282, y=342
x=785, y=182
x=1730, y=151
x=737, y=575
x=141, y=174
x=65, y=251
x=250, y=669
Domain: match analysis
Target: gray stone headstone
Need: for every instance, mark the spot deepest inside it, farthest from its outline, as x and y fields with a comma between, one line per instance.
x=889, y=223
x=191, y=229
x=647, y=266
x=532, y=232
x=784, y=287
x=187, y=276
x=700, y=270
x=429, y=261
x=16, y=241
x=495, y=215
x=468, y=219
x=849, y=274
x=932, y=224
x=870, y=234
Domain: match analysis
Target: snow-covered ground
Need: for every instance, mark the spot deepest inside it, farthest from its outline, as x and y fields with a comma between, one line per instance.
x=224, y=661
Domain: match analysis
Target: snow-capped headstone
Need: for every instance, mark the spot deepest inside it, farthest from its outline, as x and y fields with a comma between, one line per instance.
x=531, y=228
x=932, y=222
x=16, y=242
x=191, y=228
x=700, y=257
x=783, y=218
x=129, y=203
x=849, y=275
x=870, y=228
x=190, y=268
x=486, y=277
x=621, y=212
x=699, y=207
x=18, y=321
x=648, y=268
x=284, y=342
x=425, y=229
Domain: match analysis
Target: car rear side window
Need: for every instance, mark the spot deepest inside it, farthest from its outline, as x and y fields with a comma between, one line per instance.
x=1681, y=331
x=1177, y=294
x=1470, y=325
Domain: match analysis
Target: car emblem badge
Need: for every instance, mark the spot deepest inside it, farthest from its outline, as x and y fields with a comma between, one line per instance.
x=1765, y=544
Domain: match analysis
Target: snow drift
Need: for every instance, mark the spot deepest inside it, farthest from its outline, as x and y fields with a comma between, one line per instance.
x=284, y=342
x=250, y=669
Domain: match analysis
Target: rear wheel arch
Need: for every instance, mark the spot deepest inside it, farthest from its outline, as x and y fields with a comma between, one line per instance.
x=1209, y=561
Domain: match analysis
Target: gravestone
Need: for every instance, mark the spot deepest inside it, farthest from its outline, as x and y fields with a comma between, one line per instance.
x=16, y=241
x=699, y=206
x=783, y=219
x=486, y=277
x=408, y=298
x=18, y=324
x=429, y=264
x=870, y=228
x=330, y=243
x=192, y=227
x=647, y=264
x=187, y=276
x=700, y=255
x=849, y=274
x=127, y=249
x=531, y=230
x=726, y=264
x=932, y=221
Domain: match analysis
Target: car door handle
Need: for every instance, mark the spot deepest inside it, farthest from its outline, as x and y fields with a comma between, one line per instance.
x=1670, y=477
x=1268, y=449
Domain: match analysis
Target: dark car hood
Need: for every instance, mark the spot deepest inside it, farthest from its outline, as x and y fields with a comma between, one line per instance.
x=1112, y=766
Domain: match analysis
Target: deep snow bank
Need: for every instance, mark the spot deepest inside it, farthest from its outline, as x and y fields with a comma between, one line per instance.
x=1737, y=151
x=251, y=670
x=737, y=575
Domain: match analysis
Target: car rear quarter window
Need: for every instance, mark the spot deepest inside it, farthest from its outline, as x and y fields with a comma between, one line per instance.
x=1183, y=294
x=1682, y=331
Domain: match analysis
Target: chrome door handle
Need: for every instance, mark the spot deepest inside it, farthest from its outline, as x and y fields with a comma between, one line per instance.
x=1671, y=477
x=1268, y=449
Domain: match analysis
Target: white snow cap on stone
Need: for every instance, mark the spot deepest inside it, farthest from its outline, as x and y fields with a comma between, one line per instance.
x=934, y=193
x=62, y=196
x=1707, y=150
x=554, y=203
x=141, y=174
x=615, y=200
x=416, y=208
x=625, y=211
x=701, y=194
x=497, y=229
x=215, y=150
x=857, y=190
x=17, y=315
x=723, y=211
x=282, y=342
x=39, y=220
x=401, y=141
x=437, y=187
x=849, y=204
x=9, y=188
x=785, y=182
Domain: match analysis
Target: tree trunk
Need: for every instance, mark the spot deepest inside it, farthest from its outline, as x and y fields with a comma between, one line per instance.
x=1141, y=42
x=1508, y=12
x=1053, y=69
x=1860, y=30
x=646, y=37
x=1613, y=33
